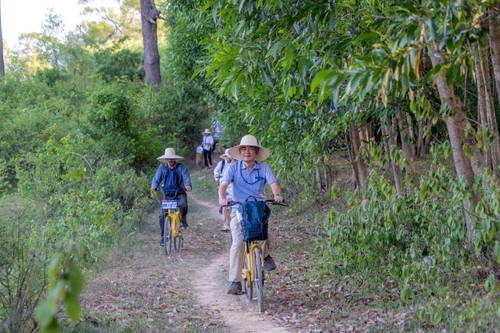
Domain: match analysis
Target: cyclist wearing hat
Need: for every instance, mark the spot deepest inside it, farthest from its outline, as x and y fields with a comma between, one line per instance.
x=176, y=182
x=249, y=175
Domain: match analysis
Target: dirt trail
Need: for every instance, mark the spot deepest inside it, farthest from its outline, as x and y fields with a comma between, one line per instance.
x=211, y=284
x=140, y=289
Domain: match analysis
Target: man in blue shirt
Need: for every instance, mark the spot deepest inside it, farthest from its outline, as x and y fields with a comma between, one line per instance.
x=249, y=176
x=176, y=182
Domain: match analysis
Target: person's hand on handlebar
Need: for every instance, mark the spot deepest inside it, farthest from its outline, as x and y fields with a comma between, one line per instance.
x=223, y=202
x=153, y=190
x=278, y=198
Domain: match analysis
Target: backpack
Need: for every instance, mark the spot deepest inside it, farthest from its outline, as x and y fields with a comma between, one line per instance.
x=171, y=183
x=255, y=220
x=221, y=170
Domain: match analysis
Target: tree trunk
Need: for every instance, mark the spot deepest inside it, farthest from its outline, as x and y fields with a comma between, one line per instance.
x=485, y=158
x=149, y=17
x=318, y=178
x=360, y=166
x=2, y=64
x=420, y=137
x=389, y=128
x=327, y=175
x=406, y=145
x=427, y=137
x=456, y=124
x=411, y=133
x=494, y=39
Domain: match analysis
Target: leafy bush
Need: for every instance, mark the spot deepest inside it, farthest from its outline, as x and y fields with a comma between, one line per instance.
x=416, y=241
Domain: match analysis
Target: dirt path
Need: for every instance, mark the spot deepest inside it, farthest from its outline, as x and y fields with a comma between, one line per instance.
x=211, y=284
x=140, y=289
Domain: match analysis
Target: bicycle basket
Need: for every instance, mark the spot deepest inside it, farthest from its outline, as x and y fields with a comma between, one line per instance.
x=255, y=220
x=168, y=204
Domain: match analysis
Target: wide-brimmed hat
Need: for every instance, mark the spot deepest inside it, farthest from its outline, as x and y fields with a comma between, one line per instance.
x=169, y=155
x=226, y=154
x=207, y=131
x=249, y=140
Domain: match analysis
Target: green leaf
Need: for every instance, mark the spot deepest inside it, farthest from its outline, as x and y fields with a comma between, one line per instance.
x=44, y=314
x=366, y=36
x=276, y=47
x=322, y=76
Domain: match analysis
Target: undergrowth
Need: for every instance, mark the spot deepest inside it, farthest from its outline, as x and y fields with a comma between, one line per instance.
x=415, y=246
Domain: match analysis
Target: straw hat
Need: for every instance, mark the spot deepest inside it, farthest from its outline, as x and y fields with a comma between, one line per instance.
x=169, y=155
x=207, y=131
x=226, y=154
x=249, y=140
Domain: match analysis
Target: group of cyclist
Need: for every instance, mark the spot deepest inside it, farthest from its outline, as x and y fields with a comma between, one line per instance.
x=243, y=175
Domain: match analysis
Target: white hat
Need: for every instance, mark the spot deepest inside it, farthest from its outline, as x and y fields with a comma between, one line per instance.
x=169, y=155
x=207, y=131
x=226, y=154
x=249, y=140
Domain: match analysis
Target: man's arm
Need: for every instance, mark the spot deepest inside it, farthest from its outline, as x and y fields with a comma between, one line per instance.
x=218, y=171
x=186, y=178
x=275, y=187
x=222, y=193
x=156, y=179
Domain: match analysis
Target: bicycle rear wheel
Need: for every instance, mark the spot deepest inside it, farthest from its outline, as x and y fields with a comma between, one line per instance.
x=247, y=278
x=178, y=235
x=167, y=234
x=259, y=280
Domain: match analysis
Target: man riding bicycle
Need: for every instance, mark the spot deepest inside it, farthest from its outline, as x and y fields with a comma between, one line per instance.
x=176, y=182
x=249, y=176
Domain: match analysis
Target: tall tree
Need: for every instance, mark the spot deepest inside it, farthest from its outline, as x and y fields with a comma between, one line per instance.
x=2, y=64
x=149, y=16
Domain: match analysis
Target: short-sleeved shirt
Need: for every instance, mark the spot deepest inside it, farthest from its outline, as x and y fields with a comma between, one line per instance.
x=248, y=183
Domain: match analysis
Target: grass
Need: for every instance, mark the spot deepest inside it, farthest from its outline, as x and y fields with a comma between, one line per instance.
x=205, y=188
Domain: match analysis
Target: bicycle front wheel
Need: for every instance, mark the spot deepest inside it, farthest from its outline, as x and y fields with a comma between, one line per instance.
x=167, y=234
x=178, y=234
x=259, y=280
x=246, y=280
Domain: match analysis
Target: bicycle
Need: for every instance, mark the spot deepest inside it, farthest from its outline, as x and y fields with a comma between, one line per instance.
x=253, y=263
x=172, y=231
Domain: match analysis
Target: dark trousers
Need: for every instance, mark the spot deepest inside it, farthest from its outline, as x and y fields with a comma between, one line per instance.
x=207, y=156
x=215, y=145
x=182, y=204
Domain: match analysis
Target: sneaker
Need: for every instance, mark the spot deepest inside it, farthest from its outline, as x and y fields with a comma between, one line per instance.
x=269, y=264
x=185, y=225
x=235, y=289
x=161, y=242
x=224, y=228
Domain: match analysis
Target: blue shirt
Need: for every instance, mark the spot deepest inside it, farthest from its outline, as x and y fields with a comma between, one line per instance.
x=181, y=171
x=248, y=183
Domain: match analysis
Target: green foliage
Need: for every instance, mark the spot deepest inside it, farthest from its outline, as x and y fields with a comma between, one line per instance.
x=121, y=64
x=65, y=284
x=23, y=263
x=417, y=240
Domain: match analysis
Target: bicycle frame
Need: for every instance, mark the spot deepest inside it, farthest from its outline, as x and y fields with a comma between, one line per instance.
x=249, y=273
x=172, y=230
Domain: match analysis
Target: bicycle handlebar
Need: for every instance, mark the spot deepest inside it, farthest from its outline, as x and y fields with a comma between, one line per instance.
x=234, y=203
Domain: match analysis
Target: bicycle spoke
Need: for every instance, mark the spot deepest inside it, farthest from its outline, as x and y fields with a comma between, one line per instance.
x=259, y=280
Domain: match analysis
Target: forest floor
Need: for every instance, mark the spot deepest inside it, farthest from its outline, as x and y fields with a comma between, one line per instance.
x=140, y=289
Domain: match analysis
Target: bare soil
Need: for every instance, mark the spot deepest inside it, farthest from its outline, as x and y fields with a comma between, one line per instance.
x=143, y=290
x=140, y=289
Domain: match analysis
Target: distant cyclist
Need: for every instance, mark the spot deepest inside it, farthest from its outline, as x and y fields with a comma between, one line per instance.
x=175, y=180
x=249, y=175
